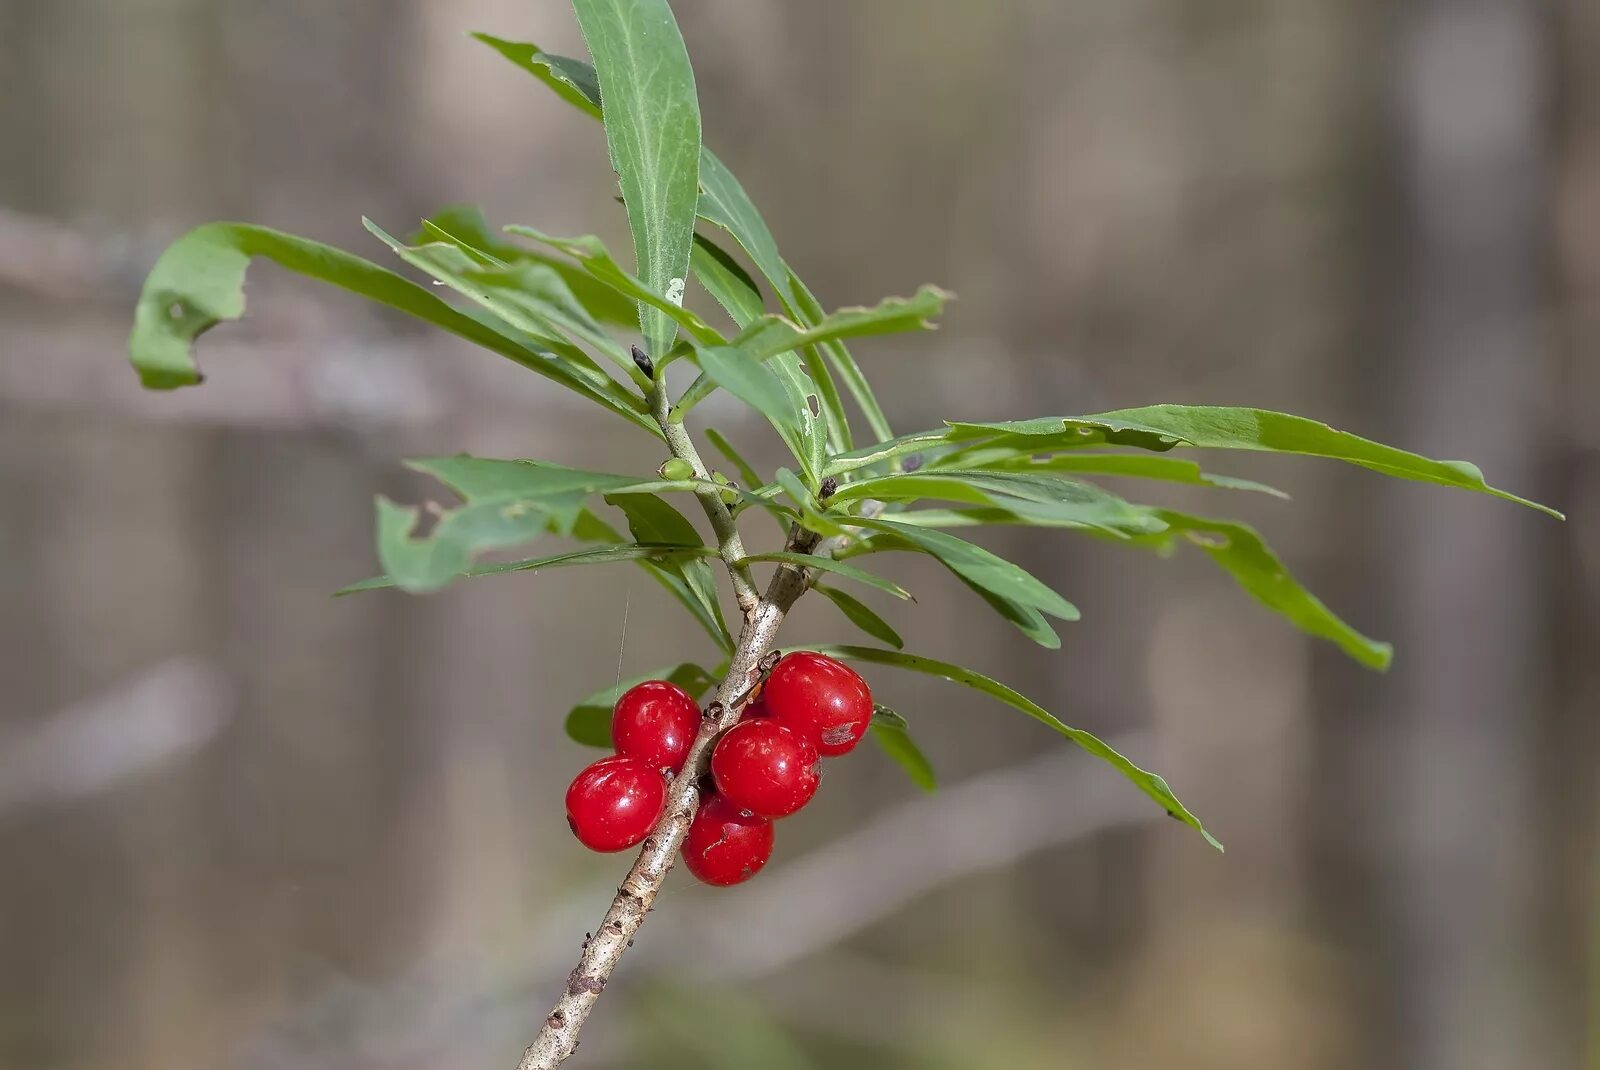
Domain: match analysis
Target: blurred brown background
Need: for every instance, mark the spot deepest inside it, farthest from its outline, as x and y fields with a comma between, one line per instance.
x=244, y=825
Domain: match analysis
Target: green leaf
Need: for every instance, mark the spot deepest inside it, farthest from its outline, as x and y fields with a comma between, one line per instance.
x=463, y=225
x=572, y=79
x=1016, y=593
x=652, y=520
x=772, y=335
x=199, y=282
x=506, y=503
x=760, y=387
x=589, y=722
x=838, y=568
x=809, y=310
x=1129, y=465
x=530, y=297
x=1162, y=427
x=861, y=615
x=726, y=281
x=1242, y=553
x=1029, y=494
x=889, y=450
x=652, y=122
x=1238, y=549
x=594, y=556
x=893, y=735
x=805, y=401
x=591, y=253
x=724, y=203
x=1147, y=782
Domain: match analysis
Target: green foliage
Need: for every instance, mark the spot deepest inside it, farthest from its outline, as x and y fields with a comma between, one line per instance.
x=589, y=722
x=653, y=131
x=893, y=736
x=555, y=307
x=1146, y=781
x=860, y=614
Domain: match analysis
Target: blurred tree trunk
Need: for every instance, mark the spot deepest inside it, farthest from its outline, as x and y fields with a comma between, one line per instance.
x=1469, y=369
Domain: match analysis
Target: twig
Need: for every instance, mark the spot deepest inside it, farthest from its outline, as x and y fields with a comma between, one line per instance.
x=729, y=545
x=763, y=615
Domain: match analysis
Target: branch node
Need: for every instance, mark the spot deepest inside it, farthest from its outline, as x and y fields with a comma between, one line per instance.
x=577, y=984
x=646, y=365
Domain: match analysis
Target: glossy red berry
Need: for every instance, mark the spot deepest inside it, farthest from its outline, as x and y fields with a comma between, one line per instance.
x=655, y=722
x=725, y=845
x=824, y=700
x=763, y=767
x=754, y=711
x=614, y=803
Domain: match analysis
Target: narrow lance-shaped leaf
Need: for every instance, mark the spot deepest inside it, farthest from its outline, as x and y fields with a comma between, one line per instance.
x=893, y=736
x=199, y=281
x=760, y=387
x=573, y=80
x=1035, y=495
x=1120, y=465
x=1010, y=589
x=599, y=555
x=809, y=309
x=1146, y=781
x=772, y=335
x=652, y=520
x=531, y=297
x=589, y=722
x=652, y=122
x=724, y=203
x=726, y=281
x=1240, y=551
x=836, y=567
x=861, y=615
x=505, y=504
x=591, y=253
x=664, y=562
x=1162, y=427
x=464, y=225
x=1236, y=548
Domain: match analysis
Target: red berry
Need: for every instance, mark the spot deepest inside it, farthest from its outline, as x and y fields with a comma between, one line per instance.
x=754, y=711
x=824, y=700
x=763, y=767
x=725, y=845
x=615, y=802
x=655, y=722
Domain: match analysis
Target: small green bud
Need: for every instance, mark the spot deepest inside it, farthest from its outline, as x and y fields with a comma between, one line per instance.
x=730, y=496
x=676, y=468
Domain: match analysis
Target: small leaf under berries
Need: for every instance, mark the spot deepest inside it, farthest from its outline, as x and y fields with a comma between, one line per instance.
x=589, y=722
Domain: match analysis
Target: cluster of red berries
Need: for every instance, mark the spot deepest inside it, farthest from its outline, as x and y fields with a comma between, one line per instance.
x=765, y=767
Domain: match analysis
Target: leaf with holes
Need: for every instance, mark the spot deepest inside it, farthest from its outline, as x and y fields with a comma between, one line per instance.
x=199, y=281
